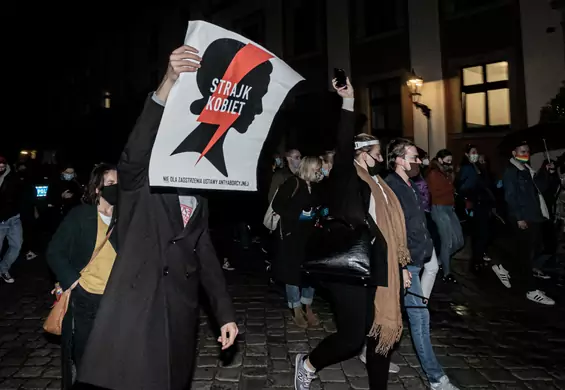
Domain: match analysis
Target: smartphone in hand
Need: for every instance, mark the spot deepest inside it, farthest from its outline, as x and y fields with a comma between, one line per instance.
x=341, y=78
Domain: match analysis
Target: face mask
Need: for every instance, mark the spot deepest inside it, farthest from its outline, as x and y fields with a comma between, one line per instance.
x=325, y=172
x=294, y=163
x=473, y=158
x=414, y=170
x=374, y=170
x=278, y=162
x=68, y=176
x=524, y=158
x=3, y=171
x=319, y=176
x=110, y=194
x=425, y=162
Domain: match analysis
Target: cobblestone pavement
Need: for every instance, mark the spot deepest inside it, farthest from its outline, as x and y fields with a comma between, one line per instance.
x=484, y=336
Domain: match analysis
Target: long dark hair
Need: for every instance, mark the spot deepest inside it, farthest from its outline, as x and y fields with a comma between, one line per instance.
x=465, y=160
x=96, y=182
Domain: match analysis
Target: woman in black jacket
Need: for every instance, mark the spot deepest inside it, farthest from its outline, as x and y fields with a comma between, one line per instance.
x=358, y=193
x=297, y=203
x=81, y=255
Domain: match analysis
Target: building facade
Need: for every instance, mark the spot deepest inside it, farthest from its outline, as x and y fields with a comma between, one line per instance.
x=488, y=65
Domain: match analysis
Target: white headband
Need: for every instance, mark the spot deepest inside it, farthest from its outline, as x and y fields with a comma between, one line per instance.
x=359, y=145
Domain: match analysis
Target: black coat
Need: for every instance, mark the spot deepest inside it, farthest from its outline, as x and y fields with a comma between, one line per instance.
x=144, y=334
x=292, y=198
x=349, y=196
x=521, y=192
x=68, y=253
x=73, y=243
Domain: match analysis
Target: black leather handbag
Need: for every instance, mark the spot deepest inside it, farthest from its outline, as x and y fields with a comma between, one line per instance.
x=338, y=252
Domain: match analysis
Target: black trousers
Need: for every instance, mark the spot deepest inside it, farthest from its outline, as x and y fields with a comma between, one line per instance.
x=480, y=232
x=529, y=246
x=84, y=308
x=353, y=307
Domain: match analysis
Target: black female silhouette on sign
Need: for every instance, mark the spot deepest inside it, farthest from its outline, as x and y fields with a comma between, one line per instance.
x=233, y=80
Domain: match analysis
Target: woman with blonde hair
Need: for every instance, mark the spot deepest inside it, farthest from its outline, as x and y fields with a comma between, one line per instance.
x=297, y=203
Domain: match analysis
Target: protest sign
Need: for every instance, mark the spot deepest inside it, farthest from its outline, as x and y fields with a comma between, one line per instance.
x=216, y=119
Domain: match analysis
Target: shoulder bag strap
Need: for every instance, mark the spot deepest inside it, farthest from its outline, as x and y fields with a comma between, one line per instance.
x=99, y=248
x=295, y=189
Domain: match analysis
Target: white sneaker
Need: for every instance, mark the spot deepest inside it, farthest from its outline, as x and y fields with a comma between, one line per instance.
x=7, y=277
x=393, y=368
x=443, y=384
x=538, y=296
x=227, y=266
x=540, y=275
x=502, y=274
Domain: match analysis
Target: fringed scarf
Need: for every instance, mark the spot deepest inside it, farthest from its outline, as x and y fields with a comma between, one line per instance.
x=387, y=324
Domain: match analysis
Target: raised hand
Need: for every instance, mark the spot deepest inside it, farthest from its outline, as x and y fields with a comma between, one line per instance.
x=183, y=59
x=345, y=92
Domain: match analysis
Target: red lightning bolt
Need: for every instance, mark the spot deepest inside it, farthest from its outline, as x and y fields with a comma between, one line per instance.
x=246, y=59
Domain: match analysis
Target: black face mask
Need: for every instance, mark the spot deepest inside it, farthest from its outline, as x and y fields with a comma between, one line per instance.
x=447, y=166
x=374, y=170
x=110, y=194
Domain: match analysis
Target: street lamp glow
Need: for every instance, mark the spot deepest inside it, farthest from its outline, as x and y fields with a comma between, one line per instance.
x=415, y=83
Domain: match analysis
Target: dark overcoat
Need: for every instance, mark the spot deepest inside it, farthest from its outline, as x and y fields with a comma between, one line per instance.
x=144, y=334
x=292, y=235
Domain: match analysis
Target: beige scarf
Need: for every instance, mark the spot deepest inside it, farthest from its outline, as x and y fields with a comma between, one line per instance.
x=387, y=324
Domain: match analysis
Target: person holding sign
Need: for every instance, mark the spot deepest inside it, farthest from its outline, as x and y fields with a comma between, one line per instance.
x=144, y=334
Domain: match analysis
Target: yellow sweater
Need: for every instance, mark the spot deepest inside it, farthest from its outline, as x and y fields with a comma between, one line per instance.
x=95, y=276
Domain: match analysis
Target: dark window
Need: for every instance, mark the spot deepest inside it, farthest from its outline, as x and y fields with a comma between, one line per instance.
x=375, y=17
x=485, y=96
x=252, y=27
x=386, y=108
x=380, y=16
x=306, y=25
x=454, y=7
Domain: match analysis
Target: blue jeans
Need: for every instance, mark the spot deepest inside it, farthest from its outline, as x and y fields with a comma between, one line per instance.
x=419, y=318
x=450, y=234
x=11, y=229
x=297, y=298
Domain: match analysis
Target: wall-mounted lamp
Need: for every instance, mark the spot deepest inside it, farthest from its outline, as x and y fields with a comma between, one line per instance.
x=415, y=83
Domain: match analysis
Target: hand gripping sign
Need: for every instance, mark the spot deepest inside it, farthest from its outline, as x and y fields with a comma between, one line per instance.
x=216, y=119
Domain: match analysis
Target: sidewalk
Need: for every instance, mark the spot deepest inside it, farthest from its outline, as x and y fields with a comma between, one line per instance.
x=483, y=335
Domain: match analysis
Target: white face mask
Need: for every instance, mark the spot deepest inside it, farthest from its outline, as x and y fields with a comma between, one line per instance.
x=473, y=158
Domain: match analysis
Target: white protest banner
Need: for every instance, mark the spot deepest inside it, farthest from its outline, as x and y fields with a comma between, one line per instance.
x=216, y=119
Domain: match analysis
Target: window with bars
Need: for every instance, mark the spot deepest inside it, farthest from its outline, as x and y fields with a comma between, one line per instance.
x=485, y=96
